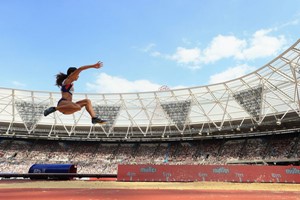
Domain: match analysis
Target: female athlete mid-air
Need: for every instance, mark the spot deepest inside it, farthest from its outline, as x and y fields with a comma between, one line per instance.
x=65, y=104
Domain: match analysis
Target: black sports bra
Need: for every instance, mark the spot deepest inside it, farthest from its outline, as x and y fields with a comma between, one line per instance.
x=68, y=88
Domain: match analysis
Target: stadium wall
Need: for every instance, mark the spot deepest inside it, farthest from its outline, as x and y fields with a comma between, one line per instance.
x=222, y=173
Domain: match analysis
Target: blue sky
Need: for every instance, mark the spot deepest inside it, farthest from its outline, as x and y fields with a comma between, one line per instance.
x=144, y=44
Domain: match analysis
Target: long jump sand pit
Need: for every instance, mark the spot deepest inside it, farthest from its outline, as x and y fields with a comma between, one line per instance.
x=109, y=190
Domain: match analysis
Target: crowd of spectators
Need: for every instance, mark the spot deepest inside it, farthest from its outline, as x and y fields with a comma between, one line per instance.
x=17, y=156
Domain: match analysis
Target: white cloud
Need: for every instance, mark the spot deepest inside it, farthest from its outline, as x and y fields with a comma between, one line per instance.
x=294, y=22
x=184, y=55
x=231, y=73
x=149, y=47
x=260, y=45
x=187, y=57
x=223, y=47
x=155, y=54
x=112, y=84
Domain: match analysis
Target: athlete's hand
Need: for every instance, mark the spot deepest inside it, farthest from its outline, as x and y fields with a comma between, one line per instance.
x=98, y=65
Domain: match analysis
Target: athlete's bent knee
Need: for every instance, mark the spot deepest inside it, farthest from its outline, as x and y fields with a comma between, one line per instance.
x=88, y=101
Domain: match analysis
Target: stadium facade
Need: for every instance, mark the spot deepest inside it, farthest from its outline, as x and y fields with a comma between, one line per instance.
x=263, y=102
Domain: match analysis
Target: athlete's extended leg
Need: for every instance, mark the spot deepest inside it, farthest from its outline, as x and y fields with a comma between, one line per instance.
x=89, y=108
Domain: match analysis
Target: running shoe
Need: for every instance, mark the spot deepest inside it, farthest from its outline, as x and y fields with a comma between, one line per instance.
x=97, y=120
x=49, y=111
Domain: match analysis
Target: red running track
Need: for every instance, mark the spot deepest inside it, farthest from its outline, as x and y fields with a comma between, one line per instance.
x=144, y=194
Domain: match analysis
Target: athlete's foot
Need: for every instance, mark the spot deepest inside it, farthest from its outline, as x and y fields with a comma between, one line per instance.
x=49, y=111
x=97, y=120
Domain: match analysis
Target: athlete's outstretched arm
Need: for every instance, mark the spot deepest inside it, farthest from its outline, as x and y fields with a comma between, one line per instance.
x=76, y=73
